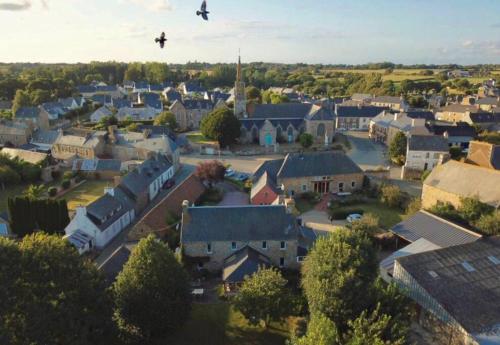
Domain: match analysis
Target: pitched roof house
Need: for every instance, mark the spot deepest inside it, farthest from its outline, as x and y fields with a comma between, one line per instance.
x=424, y=152
x=355, y=117
x=484, y=154
x=385, y=126
x=454, y=180
x=459, y=287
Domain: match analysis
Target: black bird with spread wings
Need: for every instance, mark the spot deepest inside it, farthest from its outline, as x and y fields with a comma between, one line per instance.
x=161, y=40
x=203, y=10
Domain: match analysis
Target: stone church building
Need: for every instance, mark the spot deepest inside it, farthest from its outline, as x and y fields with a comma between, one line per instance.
x=269, y=124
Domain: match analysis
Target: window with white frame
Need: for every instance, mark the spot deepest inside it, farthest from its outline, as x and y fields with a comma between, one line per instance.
x=264, y=244
x=283, y=245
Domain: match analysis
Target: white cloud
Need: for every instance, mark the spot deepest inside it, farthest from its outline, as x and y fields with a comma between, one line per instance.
x=485, y=47
x=19, y=5
x=154, y=5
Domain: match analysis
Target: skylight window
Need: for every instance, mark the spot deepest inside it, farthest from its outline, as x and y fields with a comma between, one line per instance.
x=468, y=266
x=433, y=274
x=494, y=259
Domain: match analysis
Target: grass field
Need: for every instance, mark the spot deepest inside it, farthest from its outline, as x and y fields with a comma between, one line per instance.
x=198, y=138
x=220, y=324
x=85, y=194
x=388, y=217
x=10, y=192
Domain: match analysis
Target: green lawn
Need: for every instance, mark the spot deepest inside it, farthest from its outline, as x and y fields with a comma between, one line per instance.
x=304, y=205
x=220, y=324
x=86, y=193
x=10, y=192
x=199, y=138
x=388, y=216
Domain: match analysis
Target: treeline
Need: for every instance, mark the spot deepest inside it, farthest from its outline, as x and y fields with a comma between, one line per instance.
x=28, y=215
x=15, y=171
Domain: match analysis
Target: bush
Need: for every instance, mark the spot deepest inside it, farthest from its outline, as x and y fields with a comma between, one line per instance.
x=56, y=174
x=52, y=192
x=414, y=206
x=66, y=184
x=68, y=175
x=447, y=211
x=343, y=213
x=489, y=224
x=391, y=196
x=306, y=140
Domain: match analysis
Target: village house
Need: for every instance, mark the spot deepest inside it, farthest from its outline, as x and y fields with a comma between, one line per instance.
x=105, y=218
x=355, y=117
x=268, y=124
x=88, y=145
x=392, y=102
x=265, y=191
x=458, y=135
x=424, y=232
x=488, y=103
x=384, y=127
x=35, y=158
x=100, y=113
x=192, y=89
x=141, y=145
x=53, y=110
x=171, y=95
x=33, y=117
x=323, y=173
x=145, y=182
x=101, y=220
x=97, y=168
x=72, y=103
x=14, y=133
x=484, y=155
x=456, y=289
x=189, y=113
x=138, y=114
x=457, y=113
x=424, y=152
x=209, y=239
x=452, y=181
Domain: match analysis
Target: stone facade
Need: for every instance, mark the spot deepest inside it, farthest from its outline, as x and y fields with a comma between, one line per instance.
x=320, y=130
x=214, y=261
x=431, y=195
x=322, y=184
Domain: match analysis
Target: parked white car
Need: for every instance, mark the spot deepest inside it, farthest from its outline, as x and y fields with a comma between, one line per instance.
x=354, y=217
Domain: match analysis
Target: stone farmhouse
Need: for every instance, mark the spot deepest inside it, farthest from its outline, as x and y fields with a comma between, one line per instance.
x=356, y=117
x=424, y=152
x=323, y=173
x=384, y=127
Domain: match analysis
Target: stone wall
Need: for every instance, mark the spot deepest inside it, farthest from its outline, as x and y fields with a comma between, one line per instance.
x=222, y=250
x=297, y=184
x=431, y=195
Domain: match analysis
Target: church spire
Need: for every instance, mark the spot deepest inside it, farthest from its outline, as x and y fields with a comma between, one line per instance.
x=240, y=101
x=238, y=70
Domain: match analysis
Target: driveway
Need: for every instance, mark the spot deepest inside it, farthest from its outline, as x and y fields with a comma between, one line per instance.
x=235, y=199
x=364, y=152
x=319, y=222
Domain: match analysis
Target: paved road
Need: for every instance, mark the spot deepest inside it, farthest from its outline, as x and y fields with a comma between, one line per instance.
x=121, y=238
x=366, y=153
x=242, y=164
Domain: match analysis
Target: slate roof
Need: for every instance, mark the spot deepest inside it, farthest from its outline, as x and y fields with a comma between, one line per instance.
x=480, y=117
x=387, y=99
x=433, y=143
x=358, y=111
x=54, y=108
x=470, y=297
x=86, y=89
x=119, y=103
x=173, y=95
x=45, y=137
x=272, y=167
x=141, y=85
x=97, y=165
x=460, y=130
x=194, y=87
x=459, y=108
x=100, y=113
x=466, y=180
x=238, y=223
x=114, y=264
x=79, y=239
x=243, y=263
x=420, y=114
x=138, y=113
x=434, y=229
x=138, y=181
x=488, y=101
x=284, y=110
x=102, y=99
x=106, y=88
x=27, y=113
x=192, y=104
x=317, y=164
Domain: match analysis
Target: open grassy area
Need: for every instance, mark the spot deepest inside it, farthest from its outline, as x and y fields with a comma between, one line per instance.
x=10, y=192
x=220, y=324
x=86, y=193
x=198, y=138
x=388, y=217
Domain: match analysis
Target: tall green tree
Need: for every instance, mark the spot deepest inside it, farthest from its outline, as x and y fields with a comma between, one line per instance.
x=46, y=283
x=152, y=293
x=263, y=297
x=221, y=125
x=21, y=99
x=338, y=274
x=370, y=328
x=253, y=94
x=320, y=331
x=134, y=72
x=156, y=72
x=8, y=176
x=166, y=118
x=397, y=148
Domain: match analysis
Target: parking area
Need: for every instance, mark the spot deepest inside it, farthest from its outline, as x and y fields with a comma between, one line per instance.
x=364, y=152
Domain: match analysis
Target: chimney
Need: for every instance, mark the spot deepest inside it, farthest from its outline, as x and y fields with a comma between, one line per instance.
x=186, y=218
x=81, y=211
x=413, y=122
x=110, y=191
x=397, y=116
x=290, y=205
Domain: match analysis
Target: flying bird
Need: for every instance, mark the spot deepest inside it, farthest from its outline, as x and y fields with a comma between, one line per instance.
x=161, y=40
x=203, y=10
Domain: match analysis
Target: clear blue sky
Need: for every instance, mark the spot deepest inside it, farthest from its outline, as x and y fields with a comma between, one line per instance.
x=311, y=31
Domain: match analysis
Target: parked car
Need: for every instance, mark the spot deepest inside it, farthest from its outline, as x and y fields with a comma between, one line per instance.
x=169, y=184
x=240, y=177
x=354, y=217
x=229, y=172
